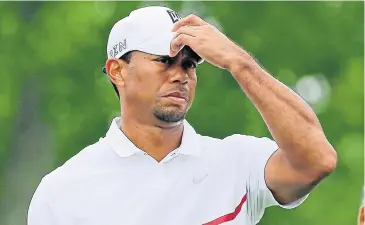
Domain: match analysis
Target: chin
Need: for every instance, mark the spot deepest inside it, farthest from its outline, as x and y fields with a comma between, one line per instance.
x=170, y=116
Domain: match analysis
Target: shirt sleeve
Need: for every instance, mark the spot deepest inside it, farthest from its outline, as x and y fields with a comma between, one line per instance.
x=253, y=154
x=40, y=212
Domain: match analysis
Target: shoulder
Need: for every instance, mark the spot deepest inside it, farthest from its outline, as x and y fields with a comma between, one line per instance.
x=239, y=150
x=237, y=142
x=90, y=157
x=248, y=141
x=91, y=160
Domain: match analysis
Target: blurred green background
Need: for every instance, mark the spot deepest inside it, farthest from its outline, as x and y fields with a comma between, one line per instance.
x=54, y=99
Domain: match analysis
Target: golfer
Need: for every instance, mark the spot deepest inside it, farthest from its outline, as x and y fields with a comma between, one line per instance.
x=152, y=168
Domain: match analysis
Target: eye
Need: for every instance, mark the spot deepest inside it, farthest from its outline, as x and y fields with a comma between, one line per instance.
x=189, y=64
x=165, y=60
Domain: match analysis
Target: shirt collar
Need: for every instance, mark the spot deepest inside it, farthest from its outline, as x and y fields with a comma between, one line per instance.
x=190, y=144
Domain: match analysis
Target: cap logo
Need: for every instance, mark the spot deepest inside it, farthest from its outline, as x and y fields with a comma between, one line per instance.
x=174, y=16
x=118, y=48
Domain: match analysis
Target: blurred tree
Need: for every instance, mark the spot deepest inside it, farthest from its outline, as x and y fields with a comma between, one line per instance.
x=54, y=99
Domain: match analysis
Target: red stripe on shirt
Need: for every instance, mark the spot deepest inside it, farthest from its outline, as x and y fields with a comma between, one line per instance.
x=229, y=216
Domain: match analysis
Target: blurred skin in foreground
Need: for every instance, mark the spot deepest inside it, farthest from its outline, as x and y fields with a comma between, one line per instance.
x=360, y=219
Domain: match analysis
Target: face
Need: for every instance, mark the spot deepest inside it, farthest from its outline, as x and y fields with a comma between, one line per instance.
x=160, y=86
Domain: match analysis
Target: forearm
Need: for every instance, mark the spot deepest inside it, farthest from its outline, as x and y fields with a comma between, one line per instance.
x=291, y=121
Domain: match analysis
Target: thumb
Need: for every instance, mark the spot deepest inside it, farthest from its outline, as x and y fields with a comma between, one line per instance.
x=178, y=43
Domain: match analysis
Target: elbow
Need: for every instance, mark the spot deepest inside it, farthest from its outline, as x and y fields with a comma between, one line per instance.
x=328, y=162
x=321, y=167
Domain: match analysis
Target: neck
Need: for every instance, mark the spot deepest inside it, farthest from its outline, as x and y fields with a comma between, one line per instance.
x=156, y=139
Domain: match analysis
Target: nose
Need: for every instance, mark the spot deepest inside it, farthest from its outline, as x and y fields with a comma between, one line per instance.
x=178, y=74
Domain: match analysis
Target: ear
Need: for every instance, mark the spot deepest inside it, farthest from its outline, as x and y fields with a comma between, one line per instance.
x=114, y=69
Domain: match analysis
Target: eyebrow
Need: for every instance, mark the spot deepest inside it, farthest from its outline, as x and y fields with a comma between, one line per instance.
x=189, y=52
x=192, y=57
x=187, y=55
x=185, y=58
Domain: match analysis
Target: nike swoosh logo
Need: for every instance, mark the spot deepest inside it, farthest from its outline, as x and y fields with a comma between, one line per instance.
x=200, y=179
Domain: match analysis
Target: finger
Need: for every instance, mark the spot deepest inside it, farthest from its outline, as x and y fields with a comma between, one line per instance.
x=189, y=30
x=179, y=42
x=191, y=20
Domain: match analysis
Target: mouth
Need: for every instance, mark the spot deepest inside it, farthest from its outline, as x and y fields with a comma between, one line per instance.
x=177, y=96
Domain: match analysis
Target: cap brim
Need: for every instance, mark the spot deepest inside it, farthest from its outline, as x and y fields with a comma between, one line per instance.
x=159, y=45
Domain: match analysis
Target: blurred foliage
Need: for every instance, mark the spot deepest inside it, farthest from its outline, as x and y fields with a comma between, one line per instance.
x=57, y=49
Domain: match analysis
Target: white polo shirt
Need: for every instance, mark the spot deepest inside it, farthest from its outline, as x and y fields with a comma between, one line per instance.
x=205, y=181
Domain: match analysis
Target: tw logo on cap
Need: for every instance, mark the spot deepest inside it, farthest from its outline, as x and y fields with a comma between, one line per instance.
x=174, y=16
x=118, y=48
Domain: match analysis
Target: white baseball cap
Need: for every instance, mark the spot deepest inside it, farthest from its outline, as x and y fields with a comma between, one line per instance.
x=147, y=29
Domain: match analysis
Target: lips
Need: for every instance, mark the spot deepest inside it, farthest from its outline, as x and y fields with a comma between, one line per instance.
x=177, y=94
x=177, y=97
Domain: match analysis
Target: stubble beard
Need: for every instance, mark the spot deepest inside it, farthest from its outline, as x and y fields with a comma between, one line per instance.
x=168, y=115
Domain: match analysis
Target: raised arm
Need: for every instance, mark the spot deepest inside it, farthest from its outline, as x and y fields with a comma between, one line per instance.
x=305, y=156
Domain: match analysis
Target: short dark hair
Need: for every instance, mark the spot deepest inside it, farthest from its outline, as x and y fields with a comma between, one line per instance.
x=127, y=58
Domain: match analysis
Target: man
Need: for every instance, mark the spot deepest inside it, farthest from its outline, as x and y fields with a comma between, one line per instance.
x=152, y=168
